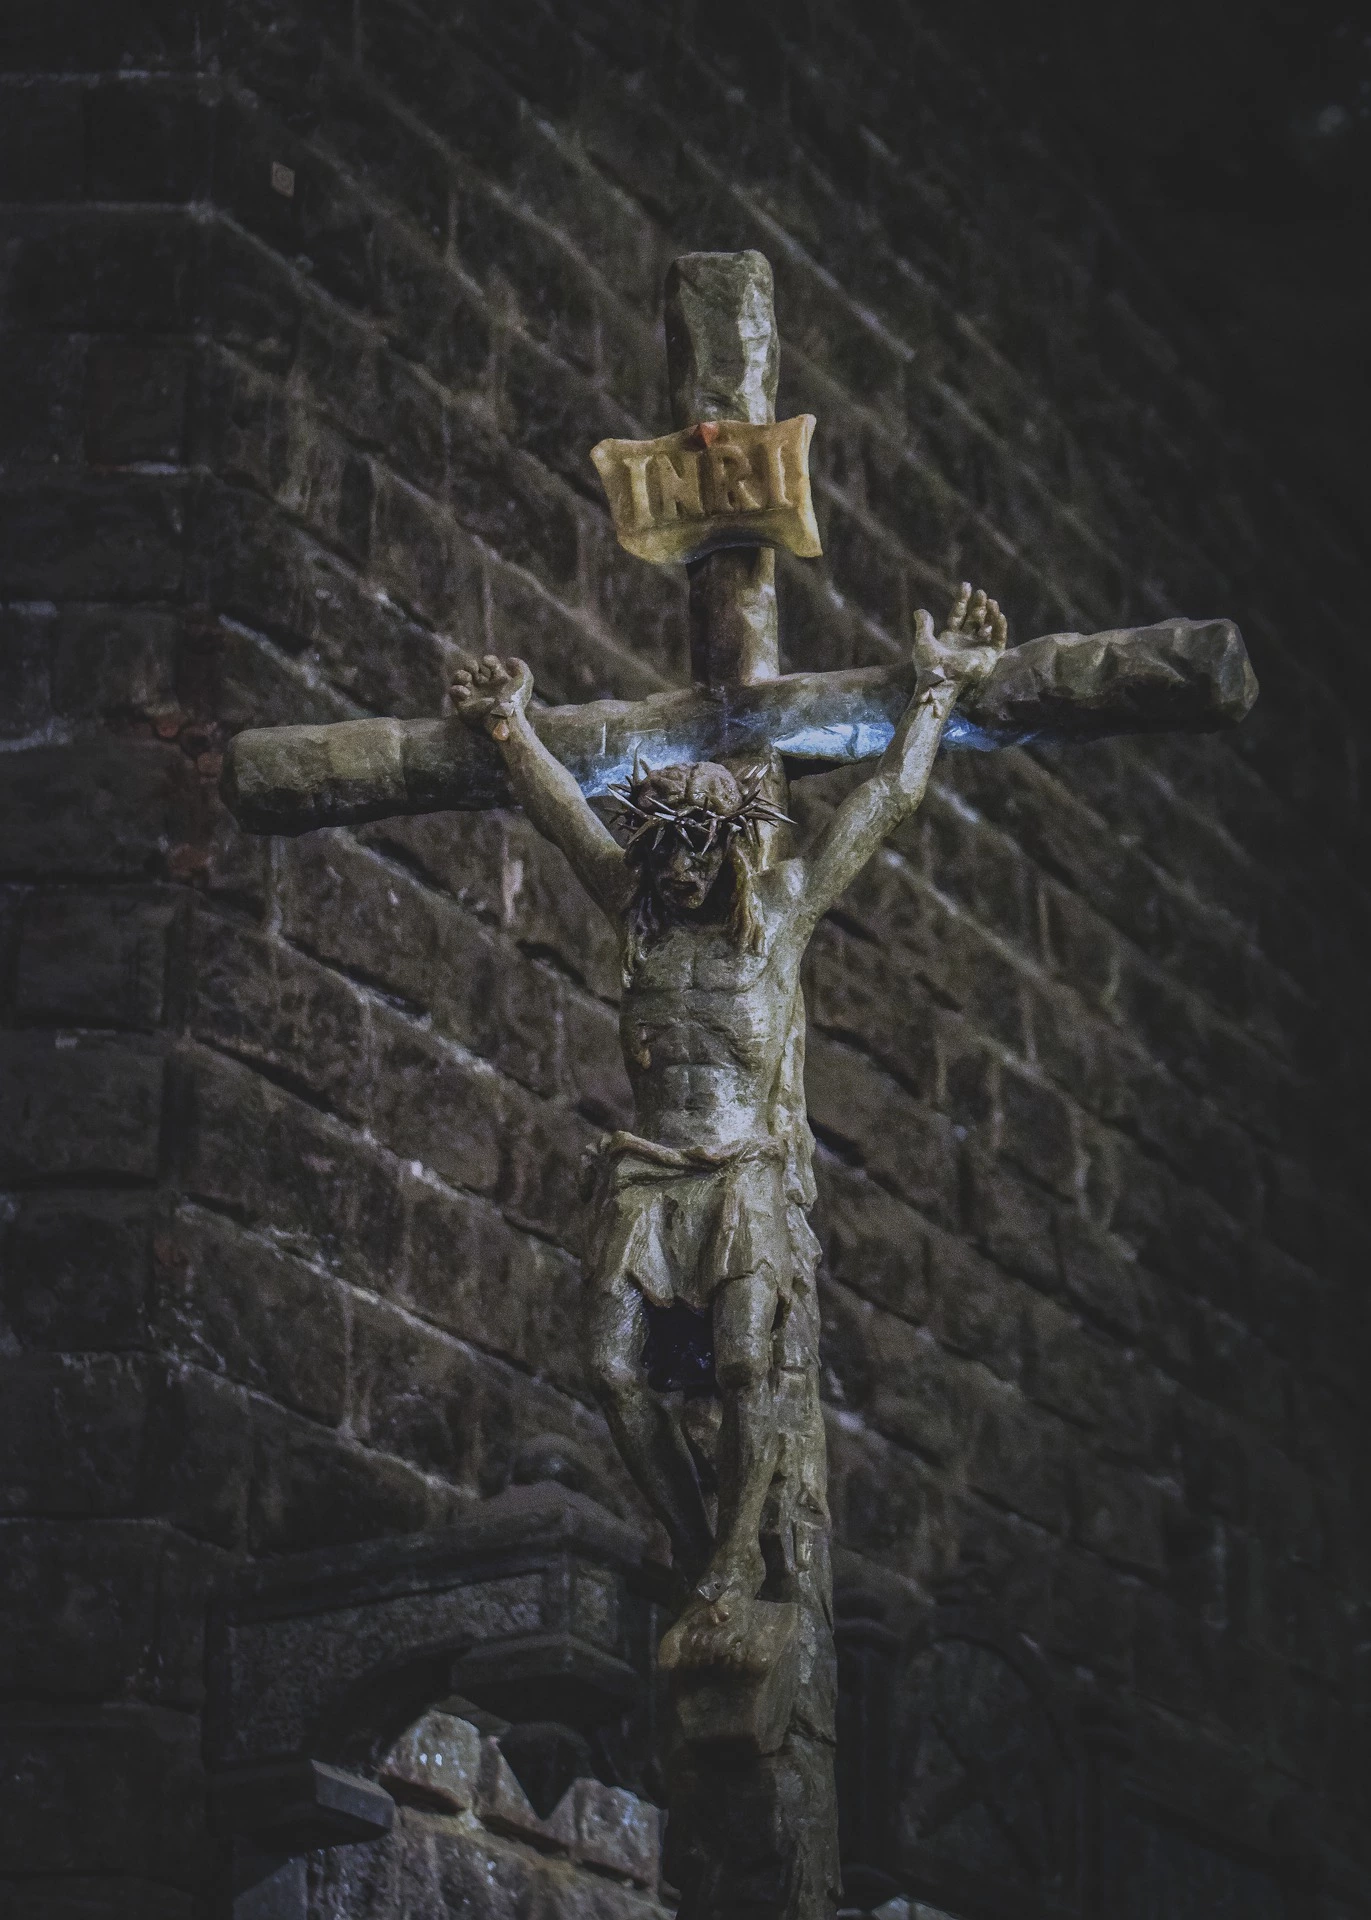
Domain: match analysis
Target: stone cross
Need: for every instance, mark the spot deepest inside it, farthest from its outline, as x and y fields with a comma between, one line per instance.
x=690, y=1223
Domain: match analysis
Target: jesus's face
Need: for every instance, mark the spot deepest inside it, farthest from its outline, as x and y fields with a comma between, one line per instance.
x=685, y=876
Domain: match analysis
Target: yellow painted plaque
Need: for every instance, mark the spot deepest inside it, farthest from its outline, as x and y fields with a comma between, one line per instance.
x=724, y=483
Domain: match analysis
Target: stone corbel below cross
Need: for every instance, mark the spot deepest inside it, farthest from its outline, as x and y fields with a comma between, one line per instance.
x=699, y=1248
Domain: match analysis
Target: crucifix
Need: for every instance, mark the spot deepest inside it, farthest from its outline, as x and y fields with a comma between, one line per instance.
x=702, y=1327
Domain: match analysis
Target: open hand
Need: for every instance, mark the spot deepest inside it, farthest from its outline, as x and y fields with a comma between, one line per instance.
x=489, y=695
x=968, y=646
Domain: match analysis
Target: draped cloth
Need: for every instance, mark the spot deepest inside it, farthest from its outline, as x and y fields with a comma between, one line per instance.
x=679, y=1222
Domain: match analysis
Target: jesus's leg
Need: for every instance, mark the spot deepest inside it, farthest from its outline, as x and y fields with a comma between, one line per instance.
x=649, y=1440
x=744, y=1314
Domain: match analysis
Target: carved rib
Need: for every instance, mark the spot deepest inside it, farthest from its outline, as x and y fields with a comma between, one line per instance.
x=1181, y=676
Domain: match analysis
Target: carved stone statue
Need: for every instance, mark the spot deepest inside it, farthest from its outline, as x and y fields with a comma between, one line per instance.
x=699, y=1215
x=705, y=1203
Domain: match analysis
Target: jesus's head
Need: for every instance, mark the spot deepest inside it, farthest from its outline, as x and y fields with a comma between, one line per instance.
x=693, y=839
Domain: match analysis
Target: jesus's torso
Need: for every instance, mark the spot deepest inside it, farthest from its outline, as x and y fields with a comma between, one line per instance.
x=711, y=1033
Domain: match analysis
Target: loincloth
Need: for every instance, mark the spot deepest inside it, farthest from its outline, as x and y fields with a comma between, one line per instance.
x=679, y=1222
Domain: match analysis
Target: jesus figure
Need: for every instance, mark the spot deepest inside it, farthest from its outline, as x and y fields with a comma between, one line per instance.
x=704, y=1205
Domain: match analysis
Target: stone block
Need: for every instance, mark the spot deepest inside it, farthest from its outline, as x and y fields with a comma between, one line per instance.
x=148, y=141
x=872, y=1242
x=545, y=1149
x=424, y=559
x=78, y=1110
x=251, y=563
x=312, y=1488
x=197, y=1467
x=432, y=315
x=42, y=427
x=436, y=1106
x=134, y=1772
x=1019, y=1461
x=1037, y=1131
x=436, y=1764
x=1119, y=1515
x=470, y=1274
x=476, y=1873
x=571, y=657
x=325, y=1195
x=135, y=404
x=1092, y=1383
x=76, y=1271
x=1011, y=1220
x=116, y=661
x=507, y=500
x=867, y=1117
x=233, y=1304
x=26, y=641
x=42, y=142
x=91, y=274
x=96, y=539
x=504, y=1807
x=73, y=1428
x=383, y=926
x=102, y=1610
x=854, y=992
x=260, y=1000
x=977, y=1310
x=616, y=1832
x=95, y=959
x=105, y=808
x=415, y=1392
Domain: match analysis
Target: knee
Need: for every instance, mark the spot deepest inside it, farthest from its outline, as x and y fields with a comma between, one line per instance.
x=614, y=1371
x=743, y=1365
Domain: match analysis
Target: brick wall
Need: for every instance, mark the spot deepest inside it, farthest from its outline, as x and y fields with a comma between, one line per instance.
x=290, y=1130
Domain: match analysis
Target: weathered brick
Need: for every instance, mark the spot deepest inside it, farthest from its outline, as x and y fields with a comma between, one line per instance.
x=197, y=1465
x=26, y=640
x=872, y=1243
x=105, y=808
x=135, y=404
x=1119, y=1516
x=1018, y=1461
x=113, y=661
x=43, y=426
x=79, y=1109
x=438, y=1107
x=77, y=1270
x=384, y=927
x=264, y=1155
x=266, y=1004
x=1011, y=1220
x=310, y=1491
x=74, y=1424
x=42, y=140
x=102, y=1610
x=1089, y=1380
x=100, y=539
x=148, y=142
x=138, y=273
x=135, y=1772
x=863, y=1113
x=1036, y=1131
x=234, y=1305
x=95, y=959
x=853, y=992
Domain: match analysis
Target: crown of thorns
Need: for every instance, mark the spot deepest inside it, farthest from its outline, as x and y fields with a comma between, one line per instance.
x=701, y=811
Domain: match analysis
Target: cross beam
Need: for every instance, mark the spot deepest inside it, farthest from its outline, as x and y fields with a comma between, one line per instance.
x=1179, y=676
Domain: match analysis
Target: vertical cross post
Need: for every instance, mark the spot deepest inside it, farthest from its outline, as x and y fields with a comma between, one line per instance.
x=722, y=360
x=753, y=1823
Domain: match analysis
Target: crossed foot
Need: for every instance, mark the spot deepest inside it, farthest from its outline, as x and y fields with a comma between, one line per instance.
x=718, y=1617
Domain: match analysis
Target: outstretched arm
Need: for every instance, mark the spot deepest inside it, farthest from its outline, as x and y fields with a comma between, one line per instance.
x=962, y=654
x=494, y=696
